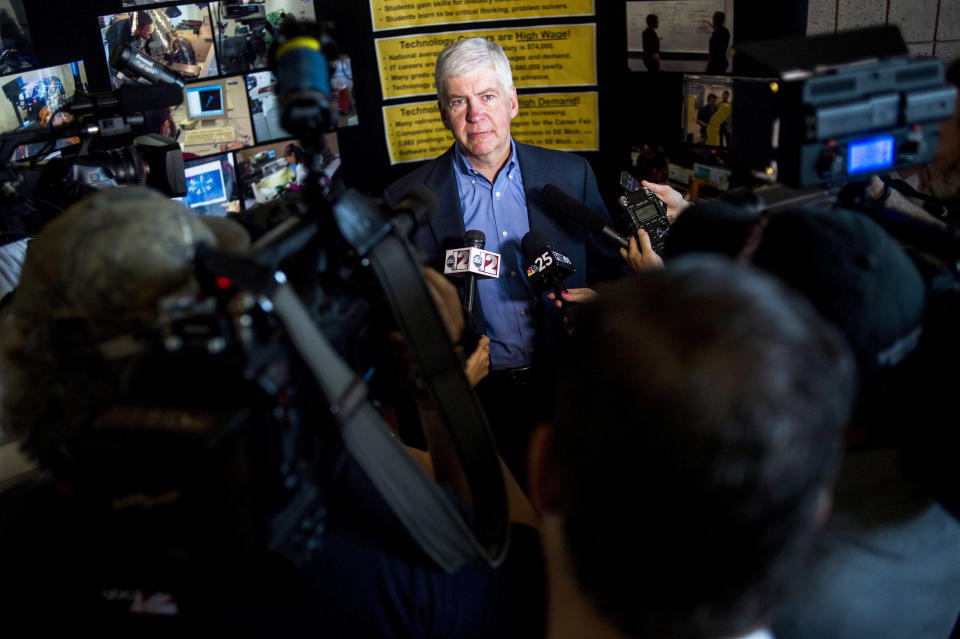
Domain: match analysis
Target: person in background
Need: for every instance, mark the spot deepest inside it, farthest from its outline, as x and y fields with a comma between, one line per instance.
x=705, y=113
x=719, y=43
x=294, y=156
x=651, y=44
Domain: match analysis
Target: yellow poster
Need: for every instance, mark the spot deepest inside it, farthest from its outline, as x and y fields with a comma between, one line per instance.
x=565, y=121
x=543, y=56
x=400, y=14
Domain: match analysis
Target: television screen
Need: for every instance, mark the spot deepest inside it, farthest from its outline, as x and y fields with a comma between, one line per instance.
x=34, y=99
x=212, y=186
x=17, y=52
x=205, y=184
x=214, y=118
x=707, y=109
x=247, y=30
x=179, y=37
x=206, y=101
x=267, y=170
x=261, y=89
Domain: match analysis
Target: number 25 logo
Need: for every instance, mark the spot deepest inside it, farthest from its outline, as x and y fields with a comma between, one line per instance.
x=543, y=261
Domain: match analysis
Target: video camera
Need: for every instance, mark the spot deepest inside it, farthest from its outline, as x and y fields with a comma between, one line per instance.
x=105, y=148
x=842, y=107
x=290, y=329
x=838, y=109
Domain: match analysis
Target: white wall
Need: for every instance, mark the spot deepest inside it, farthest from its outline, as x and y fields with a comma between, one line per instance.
x=929, y=27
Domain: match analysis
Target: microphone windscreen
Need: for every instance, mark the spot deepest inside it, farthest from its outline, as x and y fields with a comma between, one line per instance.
x=475, y=238
x=534, y=243
x=420, y=202
x=556, y=199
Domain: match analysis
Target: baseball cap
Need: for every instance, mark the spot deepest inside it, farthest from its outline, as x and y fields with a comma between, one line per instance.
x=855, y=274
x=109, y=258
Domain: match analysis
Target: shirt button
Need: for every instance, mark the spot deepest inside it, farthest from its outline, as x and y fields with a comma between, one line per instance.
x=513, y=273
x=504, y=233
x=509, y=177
x=473, y=181
x=523, y=313
x=498, y=193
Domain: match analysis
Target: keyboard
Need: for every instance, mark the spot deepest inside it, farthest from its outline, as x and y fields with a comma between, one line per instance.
x=209, y=135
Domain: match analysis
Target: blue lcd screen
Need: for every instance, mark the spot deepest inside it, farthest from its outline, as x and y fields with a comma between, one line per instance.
x=870, y=154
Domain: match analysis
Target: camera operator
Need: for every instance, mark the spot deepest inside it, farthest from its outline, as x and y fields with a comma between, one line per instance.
x=78, y=547
x=699, y=423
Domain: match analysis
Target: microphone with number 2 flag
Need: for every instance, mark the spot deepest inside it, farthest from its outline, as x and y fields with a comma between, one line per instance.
x=546, y=267
x=473, y=239
x=472, y=262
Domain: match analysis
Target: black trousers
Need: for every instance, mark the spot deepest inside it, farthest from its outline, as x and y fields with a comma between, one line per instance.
x=515, y=404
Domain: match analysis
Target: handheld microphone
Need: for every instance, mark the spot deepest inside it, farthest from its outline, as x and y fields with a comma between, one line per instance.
x=558, y=200
x=472, y=260
x=473, y=239
x=546, y=267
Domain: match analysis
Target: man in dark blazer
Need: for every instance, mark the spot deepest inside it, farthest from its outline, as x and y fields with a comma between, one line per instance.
x=489, y=182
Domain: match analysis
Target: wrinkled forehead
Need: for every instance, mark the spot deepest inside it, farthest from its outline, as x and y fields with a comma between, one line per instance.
x=482, y=79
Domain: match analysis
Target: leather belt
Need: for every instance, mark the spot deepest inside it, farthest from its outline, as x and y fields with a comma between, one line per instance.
x=522, y=376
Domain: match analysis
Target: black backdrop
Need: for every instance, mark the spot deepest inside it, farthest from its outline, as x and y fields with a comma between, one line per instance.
x=634, y=107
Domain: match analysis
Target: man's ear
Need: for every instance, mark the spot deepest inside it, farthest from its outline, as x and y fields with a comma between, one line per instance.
x=543, y=471
x=443, y=116
x=514, y=103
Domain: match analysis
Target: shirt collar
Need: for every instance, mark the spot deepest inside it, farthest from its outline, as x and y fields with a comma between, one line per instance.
x=463, y=167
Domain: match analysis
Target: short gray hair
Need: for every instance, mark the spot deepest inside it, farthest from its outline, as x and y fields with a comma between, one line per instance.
x=466, y=56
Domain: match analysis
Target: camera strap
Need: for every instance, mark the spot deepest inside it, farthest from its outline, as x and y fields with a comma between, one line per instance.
x=418, y=502
x=383, y=245
x=423, y=508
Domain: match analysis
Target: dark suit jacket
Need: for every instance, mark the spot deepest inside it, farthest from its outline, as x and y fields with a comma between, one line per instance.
x=594, y=261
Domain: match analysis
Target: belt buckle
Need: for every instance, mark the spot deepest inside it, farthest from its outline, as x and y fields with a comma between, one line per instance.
x=520, y=376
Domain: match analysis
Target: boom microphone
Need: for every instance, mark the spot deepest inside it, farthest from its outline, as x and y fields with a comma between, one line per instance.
x=559, y=200
x=546, y=267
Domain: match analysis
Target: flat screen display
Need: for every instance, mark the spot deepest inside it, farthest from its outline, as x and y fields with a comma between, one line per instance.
x=205, y=101
x=205, y=184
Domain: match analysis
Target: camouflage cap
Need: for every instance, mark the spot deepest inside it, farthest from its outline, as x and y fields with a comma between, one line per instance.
x=110, y=258
x=94, y=276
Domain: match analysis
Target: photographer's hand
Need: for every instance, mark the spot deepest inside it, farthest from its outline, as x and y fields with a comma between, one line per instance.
x=670, y=197
x=640, y=256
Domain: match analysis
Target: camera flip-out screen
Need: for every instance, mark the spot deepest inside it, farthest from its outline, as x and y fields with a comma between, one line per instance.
x=872, y=154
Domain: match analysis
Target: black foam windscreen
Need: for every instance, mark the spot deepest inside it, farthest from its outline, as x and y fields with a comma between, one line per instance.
x=558, y=200
x=534, y=243
x=475, y=238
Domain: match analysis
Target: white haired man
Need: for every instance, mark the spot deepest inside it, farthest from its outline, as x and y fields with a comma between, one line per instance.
x=490, y=182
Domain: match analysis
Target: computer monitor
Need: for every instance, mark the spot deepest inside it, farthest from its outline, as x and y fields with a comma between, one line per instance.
x=707, y=110
x=206, y=102
x=205, y=184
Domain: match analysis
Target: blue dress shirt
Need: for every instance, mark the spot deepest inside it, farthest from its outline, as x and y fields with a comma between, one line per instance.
x=500, y=211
